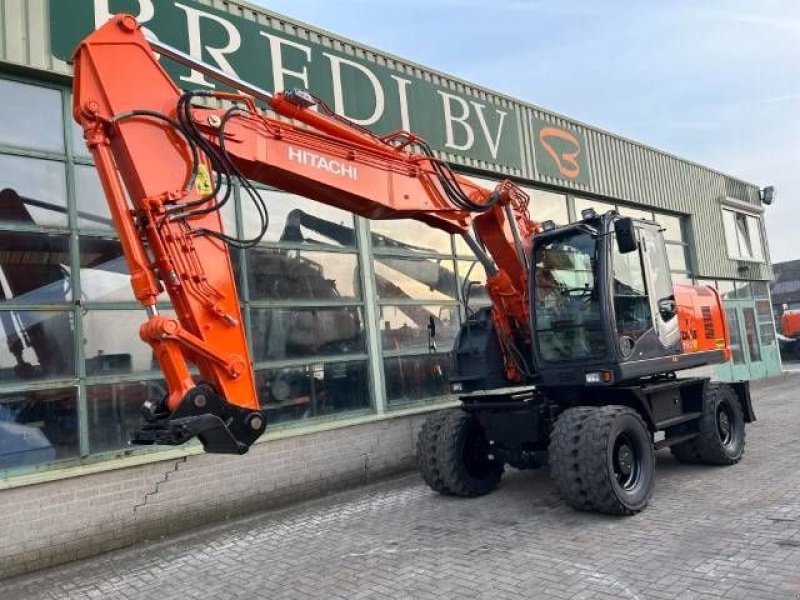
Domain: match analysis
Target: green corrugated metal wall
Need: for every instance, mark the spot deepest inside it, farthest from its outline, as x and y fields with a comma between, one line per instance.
x=618, y=168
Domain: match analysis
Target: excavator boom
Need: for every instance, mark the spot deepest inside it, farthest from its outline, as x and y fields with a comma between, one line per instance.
x=165, y=156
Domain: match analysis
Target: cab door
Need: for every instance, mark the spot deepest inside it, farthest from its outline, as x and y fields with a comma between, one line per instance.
x=644, y=308
x=662, y=295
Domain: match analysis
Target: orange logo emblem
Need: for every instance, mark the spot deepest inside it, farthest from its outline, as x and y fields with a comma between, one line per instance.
x=566, y=160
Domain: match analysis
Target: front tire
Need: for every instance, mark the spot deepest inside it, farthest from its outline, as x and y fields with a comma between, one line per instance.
x=602, y=459
x=454, y=456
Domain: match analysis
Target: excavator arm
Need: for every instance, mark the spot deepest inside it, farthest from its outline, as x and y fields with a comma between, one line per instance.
x=165, y=156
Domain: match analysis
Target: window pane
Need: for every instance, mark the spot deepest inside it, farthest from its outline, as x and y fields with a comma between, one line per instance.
x=635, y=213
x=765, y=322
x=472, y=282
x=600, y=208
x=743, y=234
x=751, y=334
x=279, y=334
x=34, y=268
x=32, y=191
x=726, y=290
x=411, y=235
x=548, y=206
x=411, y=379
x=405, y=327
x=298, y=220
x=114, y=411
x=418, y=279
x=37, y=427
x=731, y=239
x=671, y=226
x=731, y=316
x=299, y=274
x=676, y=253
x=317, y=390
x=743, y=291
x=78, y=143
x=32, y=116
x=93, y=210
x=111, y=342
x=104, y=272
x=754, y=234
x=36, y=345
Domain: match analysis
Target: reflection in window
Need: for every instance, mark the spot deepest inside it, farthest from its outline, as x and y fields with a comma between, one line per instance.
x=677, y=257
x=36, y=345
x=569, y=324
x=409, y=235
x=37, y=426
x=671, y=227
x=405, y=327
x=418, y=279
x=32, y=191
x=766, y=324
x=411, y=379
x=93, y=212
x=472, y=284
x=32, y=116
x=279, y=333
x=631, y=304
x=316, y=390
x=34, y=268
x=737, y=352
x=599, y=207
x=111, y=342
x=298, y=220
x=635, y=213
x=104, y=272
x=299, y=274
x=548, y=206
x=114, y=411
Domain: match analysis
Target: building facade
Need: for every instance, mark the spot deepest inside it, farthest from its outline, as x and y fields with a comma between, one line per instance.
x=336, y=307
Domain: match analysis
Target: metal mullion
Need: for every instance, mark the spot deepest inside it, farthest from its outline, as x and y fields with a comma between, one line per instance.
x=33, y=153
x=321, y=303
x=75, y=272
x=369, y=294
x=404, y=253
x=38, y=385
x=130, y=377
x=309, y=247
x=289, y=363
x=417, y=302
x=25, y=228
x=414, y=352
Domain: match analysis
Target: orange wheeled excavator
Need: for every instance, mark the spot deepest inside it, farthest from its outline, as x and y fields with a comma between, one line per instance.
x=573, y=365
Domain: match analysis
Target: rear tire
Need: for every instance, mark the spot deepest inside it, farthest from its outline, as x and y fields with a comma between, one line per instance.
x=602, y=459
x=453, y=455
x=721, y=435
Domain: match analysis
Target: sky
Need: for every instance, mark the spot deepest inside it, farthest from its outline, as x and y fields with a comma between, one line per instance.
x=714, y=81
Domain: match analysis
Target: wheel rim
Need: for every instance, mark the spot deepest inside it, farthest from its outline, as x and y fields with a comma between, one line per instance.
x=627, y=463
x=476, y=453
x=726, y=425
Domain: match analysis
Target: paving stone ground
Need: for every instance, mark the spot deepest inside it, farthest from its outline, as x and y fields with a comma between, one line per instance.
x=709, y=533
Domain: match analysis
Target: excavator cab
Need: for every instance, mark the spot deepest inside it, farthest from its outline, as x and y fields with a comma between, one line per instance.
x=604, y=308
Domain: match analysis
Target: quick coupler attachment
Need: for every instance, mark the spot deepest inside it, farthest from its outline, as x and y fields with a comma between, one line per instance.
x=221, y=427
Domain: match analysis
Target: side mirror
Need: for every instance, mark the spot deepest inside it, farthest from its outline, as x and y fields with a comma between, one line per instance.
x=626, y=235
x=667, y=308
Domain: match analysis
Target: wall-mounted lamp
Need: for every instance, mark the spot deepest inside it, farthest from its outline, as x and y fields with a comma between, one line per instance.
x=768, y=195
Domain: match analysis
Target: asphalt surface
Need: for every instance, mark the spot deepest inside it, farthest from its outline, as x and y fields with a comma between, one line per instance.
x=709, y=532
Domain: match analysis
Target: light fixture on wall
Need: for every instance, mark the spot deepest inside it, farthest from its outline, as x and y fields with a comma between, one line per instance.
x=768, y=195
